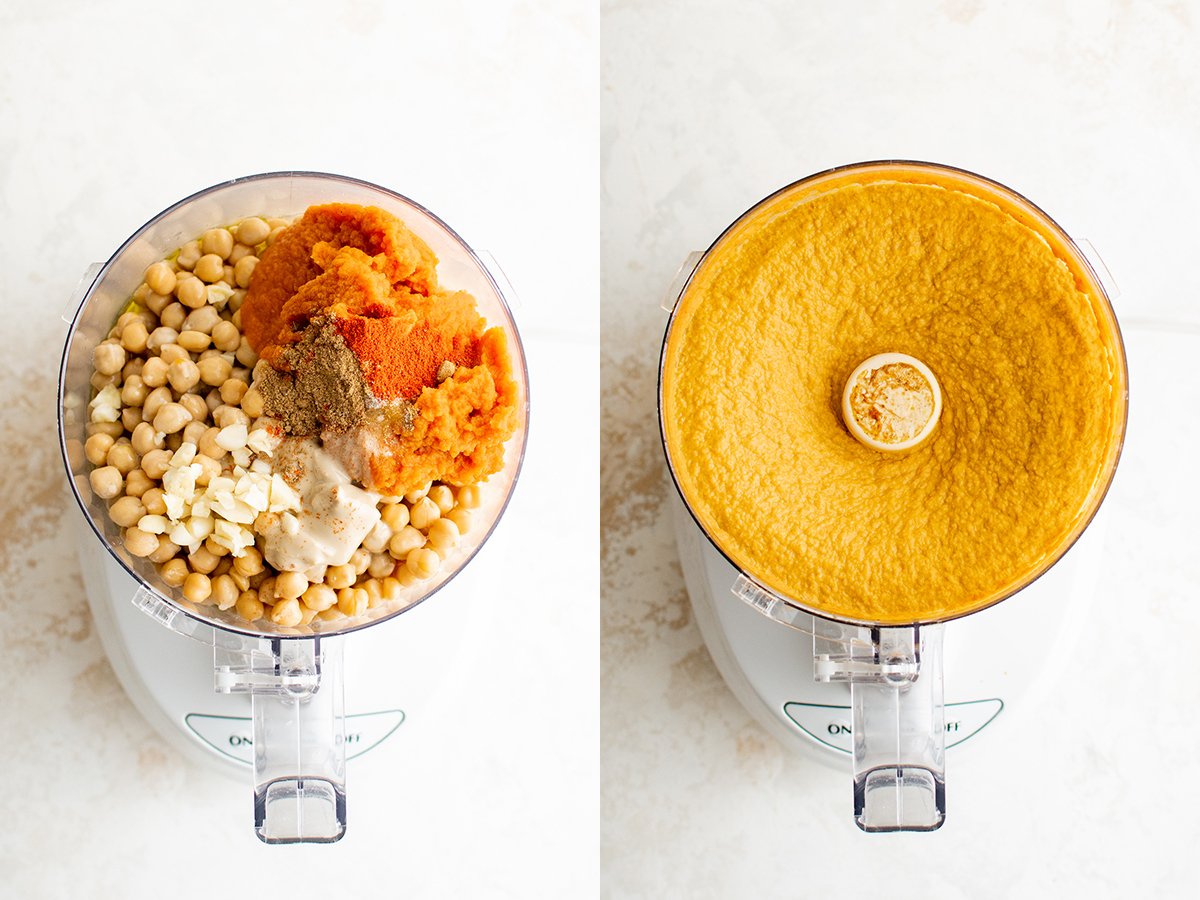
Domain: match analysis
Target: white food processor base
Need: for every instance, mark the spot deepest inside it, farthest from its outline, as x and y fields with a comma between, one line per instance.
x=769, y=666
x=392, y=669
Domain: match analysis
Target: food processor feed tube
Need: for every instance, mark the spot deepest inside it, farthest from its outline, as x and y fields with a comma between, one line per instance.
x=292, y=674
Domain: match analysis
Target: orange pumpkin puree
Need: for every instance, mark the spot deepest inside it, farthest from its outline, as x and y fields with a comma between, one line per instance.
x=377, y=281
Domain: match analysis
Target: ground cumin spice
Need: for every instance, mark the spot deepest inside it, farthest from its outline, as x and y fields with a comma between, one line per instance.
x=322, y=386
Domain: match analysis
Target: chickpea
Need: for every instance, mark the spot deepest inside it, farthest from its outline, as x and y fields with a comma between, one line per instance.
x=227, y=274
x=391, y=589
x=222, y=553
x=249, y=607
x=130, y=417
x=160, y=277
x=225, y=416
x=468, y=496
x=404, y=577
x=306, y=614
x=153, y=499
x=215, y=370
x=191, y=292
x=252, y=231
x=156, y=303
x=197, y=587
x=232, y=391
x=395, y=516
x=242, y=582
x=154, y=372
x=173, y=316
x=212, y=400
x=226, y=336
x=174, y=572
x=360, y=559
x=234, y=305
x=183, y=374
x=224, y=592
x=112, y=429
x=132, y=368
x=137, y=483
x=209, y=267
x=243, y=270
x=217, y=241
x=286, y=613
x=352, y=601
x=166, y=550
x=159, y=338
x=266, y=590
x=155, y=463
x=319, y=597
x=96, y=448
x=404, y=541
x=330, y=615
x=443, y=497
x=208, y=444
x=202, y=561
x=189, y=254
x=133, y=392
x=140, y=543
x=195, y=405
x=155, y=401
x=443, y=535
x=423, y=513
x=290, y=585
x=204, y=319
x=173, y=353
x=275, y=233
x=193, y=431
x=122, y=457
x=340, y=576
x=239, y=250
x=374, y=592
x=126, y=511
x=250, y=562
x=382, y=565
x=461, y=518
x=134, y=336
x=194, y=341
x=423, y=563
x=252, y=403
x=107, y=359
x=245, y=353
x=171, y=418
x=413, y=496
x=106, y=482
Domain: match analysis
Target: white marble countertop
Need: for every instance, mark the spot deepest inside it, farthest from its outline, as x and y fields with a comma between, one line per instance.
x=485, y=113
x=1088, y=110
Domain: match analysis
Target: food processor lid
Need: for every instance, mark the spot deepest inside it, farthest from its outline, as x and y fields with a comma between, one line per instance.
x=284, y=193
x=798, y=613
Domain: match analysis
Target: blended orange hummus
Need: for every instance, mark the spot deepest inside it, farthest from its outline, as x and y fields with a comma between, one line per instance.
x=906, y=260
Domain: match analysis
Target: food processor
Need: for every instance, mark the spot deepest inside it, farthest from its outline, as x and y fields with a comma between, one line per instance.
x=834, y=687
x=278, y=707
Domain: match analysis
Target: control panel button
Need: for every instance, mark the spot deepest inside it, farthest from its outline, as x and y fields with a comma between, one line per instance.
x=830, y=725
x=231, y=736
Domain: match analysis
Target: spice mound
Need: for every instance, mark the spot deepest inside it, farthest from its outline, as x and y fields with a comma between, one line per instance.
x=399, y=379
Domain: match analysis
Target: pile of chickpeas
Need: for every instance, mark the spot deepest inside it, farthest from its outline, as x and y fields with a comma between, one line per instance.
x=184, y=372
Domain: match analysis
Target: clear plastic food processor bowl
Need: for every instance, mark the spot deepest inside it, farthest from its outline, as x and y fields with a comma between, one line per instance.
x=293, y=675
x=895, y=671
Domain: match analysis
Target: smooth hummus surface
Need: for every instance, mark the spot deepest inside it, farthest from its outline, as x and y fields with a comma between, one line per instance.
x=783, y=310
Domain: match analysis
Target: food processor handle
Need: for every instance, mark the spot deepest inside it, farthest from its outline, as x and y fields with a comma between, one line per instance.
x=300, y=745
x=899, y=730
